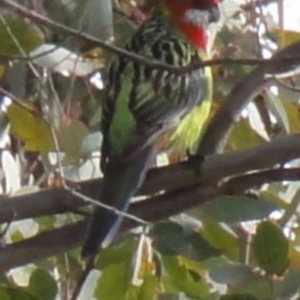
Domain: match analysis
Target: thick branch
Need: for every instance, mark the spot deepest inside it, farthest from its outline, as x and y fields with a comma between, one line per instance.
x=158, y=207
x=239, y=184
x=215, y=167
x=70, y=236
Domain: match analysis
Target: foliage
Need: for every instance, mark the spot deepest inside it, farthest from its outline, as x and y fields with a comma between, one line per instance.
x=242, y=243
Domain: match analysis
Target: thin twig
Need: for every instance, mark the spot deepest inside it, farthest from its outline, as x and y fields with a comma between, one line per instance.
x=105, y=206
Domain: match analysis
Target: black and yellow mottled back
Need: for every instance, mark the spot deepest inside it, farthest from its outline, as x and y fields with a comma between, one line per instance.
x=143, y=102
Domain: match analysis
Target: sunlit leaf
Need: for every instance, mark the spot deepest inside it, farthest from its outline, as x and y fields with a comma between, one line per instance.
x=114, y=282
x=292, y=112
x=17, y=236
x=285, y=37
x=116, y=255
x=30, y=128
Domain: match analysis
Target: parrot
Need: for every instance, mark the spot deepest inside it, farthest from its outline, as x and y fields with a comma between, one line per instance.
x=143, y=103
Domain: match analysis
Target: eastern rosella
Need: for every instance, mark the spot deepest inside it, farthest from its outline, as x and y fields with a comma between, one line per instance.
x=143, y=103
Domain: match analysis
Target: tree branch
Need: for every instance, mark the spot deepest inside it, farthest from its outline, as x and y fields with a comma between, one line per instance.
x=201, y=188
x=217, y=130
x=63, y=239
x=182, y=175
x=239, y=184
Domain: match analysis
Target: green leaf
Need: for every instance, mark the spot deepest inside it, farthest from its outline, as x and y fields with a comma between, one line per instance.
x=15, y=294
x=30, y=128
x=70, y=138
x=147, y=290
x=4, y=295
x=242, y=136
x=172, y=239
x=113, y=283
x=231, y=209
x=257, y=285
x=18, y=29
x=285, y=37
x=270, y=248
x=238, y=297
x=42, y=285
x=17, y=236
x=202, y=250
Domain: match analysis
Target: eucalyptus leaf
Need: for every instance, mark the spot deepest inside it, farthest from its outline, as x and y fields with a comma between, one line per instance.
x=231, y=209
x=42, y=285
x=18, y=36
x=270, y=248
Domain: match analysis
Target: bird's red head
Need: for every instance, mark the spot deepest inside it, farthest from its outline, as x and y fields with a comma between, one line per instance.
x=192, y=18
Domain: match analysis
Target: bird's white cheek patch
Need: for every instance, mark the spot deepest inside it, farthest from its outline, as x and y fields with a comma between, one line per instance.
x=196, y=17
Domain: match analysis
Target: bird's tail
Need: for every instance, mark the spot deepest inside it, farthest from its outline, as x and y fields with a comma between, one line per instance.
x=120, y=183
